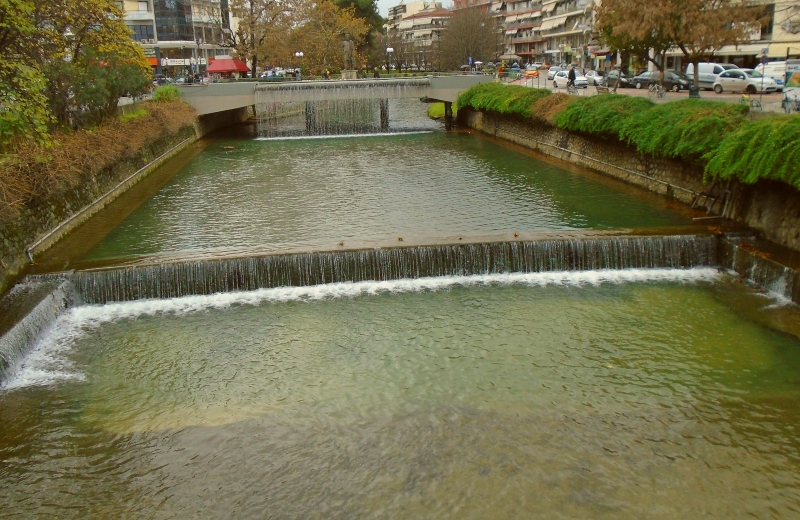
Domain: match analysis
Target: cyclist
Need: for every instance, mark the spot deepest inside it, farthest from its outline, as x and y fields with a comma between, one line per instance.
x=571, y=77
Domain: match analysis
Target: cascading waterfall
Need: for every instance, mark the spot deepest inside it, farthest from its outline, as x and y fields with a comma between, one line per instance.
x=337, y=107
x=246, y=274
x=762, y=272
x=40, y=301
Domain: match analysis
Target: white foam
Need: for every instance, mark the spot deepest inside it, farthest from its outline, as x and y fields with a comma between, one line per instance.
x=342, y=136
x=48, y=362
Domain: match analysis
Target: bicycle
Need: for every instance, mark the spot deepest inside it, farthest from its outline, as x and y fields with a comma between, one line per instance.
x=657, y=90
x=754, y=103
x=572, y=89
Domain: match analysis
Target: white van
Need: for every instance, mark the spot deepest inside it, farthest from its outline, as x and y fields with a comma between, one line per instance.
x=775, y=70
x=708, y=72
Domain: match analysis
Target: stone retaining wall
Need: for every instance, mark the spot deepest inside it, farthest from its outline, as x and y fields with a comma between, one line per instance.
x=771, y=208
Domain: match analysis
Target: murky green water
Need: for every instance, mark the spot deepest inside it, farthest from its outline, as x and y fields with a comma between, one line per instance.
x=550, y=397
x=262, y=193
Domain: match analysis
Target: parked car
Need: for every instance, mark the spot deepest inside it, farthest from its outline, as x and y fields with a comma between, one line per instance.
x=562, y=77
x=616, y=76
x=671, y=81
x=708, y=72
x=596, y=77
x=552, y=71
x=737, y=80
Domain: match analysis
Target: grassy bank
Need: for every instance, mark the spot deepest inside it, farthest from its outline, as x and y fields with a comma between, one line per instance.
x=718, y=136
x=436, y=110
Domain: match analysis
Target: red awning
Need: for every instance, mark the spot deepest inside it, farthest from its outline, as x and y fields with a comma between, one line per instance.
x=227, y=65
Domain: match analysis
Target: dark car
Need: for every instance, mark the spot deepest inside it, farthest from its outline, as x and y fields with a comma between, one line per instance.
x=614, y=76
x=674, y=81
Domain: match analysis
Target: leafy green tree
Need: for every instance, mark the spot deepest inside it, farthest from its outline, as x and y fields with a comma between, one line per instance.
x=84, y=50
x=23, y=106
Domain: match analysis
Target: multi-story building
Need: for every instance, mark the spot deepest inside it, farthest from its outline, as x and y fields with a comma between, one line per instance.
x=179, y=36
x=414, y=31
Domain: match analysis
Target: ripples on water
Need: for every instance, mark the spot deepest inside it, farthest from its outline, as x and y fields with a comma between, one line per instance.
x=571, y=394
x=308, y=191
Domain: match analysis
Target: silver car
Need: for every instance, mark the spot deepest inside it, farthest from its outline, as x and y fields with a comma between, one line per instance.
x=561, y=79
x=552, y=71
x=737, y=80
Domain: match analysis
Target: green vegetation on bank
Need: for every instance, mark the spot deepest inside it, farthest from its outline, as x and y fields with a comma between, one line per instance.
x=503, y=99
x=436, y=110
x=763, y=149
x=166, y=94
x=717, y=135
x=688, y=129
x=601, y=115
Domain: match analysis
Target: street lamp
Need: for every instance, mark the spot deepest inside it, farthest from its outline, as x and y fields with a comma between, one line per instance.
x=299, y=55
x=389, y=51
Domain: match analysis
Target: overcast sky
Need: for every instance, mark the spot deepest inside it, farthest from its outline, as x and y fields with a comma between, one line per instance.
x=384, y=5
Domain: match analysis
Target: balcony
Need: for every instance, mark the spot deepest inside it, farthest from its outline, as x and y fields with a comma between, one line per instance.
x=136, y=16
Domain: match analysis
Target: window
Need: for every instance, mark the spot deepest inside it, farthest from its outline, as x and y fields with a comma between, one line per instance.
x=143, y=7
x=141, y=32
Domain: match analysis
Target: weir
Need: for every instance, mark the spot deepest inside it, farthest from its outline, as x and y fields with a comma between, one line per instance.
x=172, y=280
x=331, y=107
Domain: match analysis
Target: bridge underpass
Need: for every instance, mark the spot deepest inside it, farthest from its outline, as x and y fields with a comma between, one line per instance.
x=218, y=104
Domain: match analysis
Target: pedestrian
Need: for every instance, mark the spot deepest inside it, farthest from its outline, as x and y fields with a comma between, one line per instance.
x=376, y=74
x=571, y=77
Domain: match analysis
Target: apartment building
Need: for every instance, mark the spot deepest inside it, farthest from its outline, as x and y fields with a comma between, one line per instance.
x=414, y=31
x=179, y=36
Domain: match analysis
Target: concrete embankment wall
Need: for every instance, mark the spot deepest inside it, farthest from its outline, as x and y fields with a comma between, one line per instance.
x=771, y=208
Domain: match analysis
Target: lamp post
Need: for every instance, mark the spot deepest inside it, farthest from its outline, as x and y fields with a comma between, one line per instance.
x=389, y=51
x=299, y=55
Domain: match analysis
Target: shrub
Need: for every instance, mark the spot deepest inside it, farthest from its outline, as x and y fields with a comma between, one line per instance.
x=763, y=149
x=688, y=129
x=503, y=99
x=548, y=107
x=36, y=171
x=601, y=115
x=166, y=94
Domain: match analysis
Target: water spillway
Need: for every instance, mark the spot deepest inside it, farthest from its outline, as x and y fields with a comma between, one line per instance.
x=294, y=270
x=340, y=107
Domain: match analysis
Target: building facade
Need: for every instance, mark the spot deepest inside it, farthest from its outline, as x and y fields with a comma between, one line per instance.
x=179, y=37
x=413, y=33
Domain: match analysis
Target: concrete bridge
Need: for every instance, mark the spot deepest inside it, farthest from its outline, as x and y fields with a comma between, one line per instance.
x=223, y=101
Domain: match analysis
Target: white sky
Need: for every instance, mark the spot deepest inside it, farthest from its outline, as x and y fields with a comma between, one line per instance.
x=384, y=5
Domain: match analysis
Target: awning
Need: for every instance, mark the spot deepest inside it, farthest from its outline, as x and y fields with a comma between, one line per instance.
x=549, y=7
x=552, y=51
x=552, y=23
x=537, y=14
x=780, y=50
x=497, y=6
x=510, y=19
x=748, y=49
x=227, y=64
x=406, y=24
x=511, y=31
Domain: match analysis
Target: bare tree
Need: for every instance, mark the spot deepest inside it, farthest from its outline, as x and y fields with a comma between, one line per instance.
x=470, y=32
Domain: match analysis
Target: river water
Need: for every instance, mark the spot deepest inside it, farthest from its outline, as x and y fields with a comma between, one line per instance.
x=658, y=393
x=308, y=192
